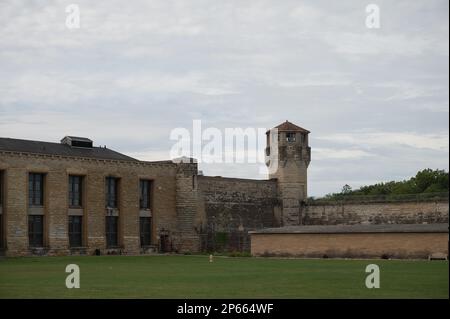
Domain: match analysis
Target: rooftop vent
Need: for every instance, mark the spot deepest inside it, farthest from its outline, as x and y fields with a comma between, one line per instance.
x=75, y=141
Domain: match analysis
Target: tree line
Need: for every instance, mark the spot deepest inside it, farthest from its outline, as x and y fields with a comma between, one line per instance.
x=425, y=181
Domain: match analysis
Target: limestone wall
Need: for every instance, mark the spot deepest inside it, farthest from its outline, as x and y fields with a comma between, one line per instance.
x=228, y=203
x=16, y=167
x=351, y=245
x=376, y=213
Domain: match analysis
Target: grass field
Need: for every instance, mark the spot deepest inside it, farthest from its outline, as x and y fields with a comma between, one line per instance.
x=196, y=277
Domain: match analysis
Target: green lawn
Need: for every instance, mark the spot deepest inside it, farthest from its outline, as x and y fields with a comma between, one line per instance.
x=196, y=277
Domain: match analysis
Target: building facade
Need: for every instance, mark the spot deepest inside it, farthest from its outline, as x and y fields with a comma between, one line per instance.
x=74, y=198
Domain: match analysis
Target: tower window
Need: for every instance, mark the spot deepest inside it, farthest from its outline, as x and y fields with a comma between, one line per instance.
x=290, y=137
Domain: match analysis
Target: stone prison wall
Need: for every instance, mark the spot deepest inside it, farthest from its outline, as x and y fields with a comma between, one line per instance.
x=231, y=207
x=417, y=212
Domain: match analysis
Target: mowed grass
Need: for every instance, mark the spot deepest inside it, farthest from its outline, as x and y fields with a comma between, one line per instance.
x=195, y=277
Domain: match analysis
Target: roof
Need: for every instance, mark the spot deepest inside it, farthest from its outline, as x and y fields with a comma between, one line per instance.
x=37, y=147
x=338, y=229
x=290, y=127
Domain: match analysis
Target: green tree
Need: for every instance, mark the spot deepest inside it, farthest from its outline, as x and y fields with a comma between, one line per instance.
x=346, y=189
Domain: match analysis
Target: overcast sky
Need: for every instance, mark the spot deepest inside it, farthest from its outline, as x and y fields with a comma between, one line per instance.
x=375, y=100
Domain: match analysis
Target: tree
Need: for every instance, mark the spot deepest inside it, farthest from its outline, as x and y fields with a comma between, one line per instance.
x=346, y=189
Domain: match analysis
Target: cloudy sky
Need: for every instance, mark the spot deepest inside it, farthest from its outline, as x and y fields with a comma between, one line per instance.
x=375, y=100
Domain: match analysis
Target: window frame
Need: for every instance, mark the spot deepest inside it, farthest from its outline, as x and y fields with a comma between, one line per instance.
x=112, y=235
x=2, y=239
x=2, y=188
x=291, y=137
x=145, y=231
x=75, y=236
x=36, y=196
x=36, y=236
x=75, y=201
x=147, y=191
x=111, y=192
x=2, y=242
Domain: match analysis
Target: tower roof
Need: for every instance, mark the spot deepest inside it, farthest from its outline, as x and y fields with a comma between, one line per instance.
x=290, y=127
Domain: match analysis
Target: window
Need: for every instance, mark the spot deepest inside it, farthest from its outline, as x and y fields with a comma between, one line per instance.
x=36, y=189
x=1, y=210
x=111, y=192
x=1, y=231
x=290, y=137
x=1, y=189
x=75, y=191
x=144, y=198
x=146, y=231
x=36, y=230
x=75, y=231
x=112, y=227
x=194, y=180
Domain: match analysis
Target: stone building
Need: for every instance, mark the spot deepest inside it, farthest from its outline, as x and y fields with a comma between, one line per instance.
x=75, y=198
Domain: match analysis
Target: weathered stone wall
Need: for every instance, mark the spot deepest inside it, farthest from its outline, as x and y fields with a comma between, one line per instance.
x=16, y=166
x=370, y=245
x=187, y=207
x=376, y=213
x=184, y=205
x=232, y=203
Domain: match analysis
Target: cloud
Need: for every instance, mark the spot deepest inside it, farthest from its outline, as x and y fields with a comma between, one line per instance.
x=391, y=44
x=376, y=101
x=165, y=83
x=438, y=142
x=330, y=153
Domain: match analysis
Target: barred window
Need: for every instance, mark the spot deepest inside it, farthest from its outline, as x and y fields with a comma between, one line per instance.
x=111, y=192
x=145, y=192
x=290, y=137
x=36, y=189
x=146, y=231
x=112, y=228
x=36, y=230
x=2, y=245
x=1, y=211
x=75, y=191
x=75, y=231
x=1, y=188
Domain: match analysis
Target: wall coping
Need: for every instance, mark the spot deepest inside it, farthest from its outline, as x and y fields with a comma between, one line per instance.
x=237, y=179
x=345, y=229
x=90, y=159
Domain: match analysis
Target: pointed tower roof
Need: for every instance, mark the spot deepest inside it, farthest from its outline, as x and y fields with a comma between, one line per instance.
x=290, y=127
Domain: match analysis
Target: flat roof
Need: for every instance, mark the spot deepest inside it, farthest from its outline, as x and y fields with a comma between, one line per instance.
x=343, y=229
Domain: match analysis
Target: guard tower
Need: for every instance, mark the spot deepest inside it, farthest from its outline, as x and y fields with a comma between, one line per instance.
x=288, y=156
